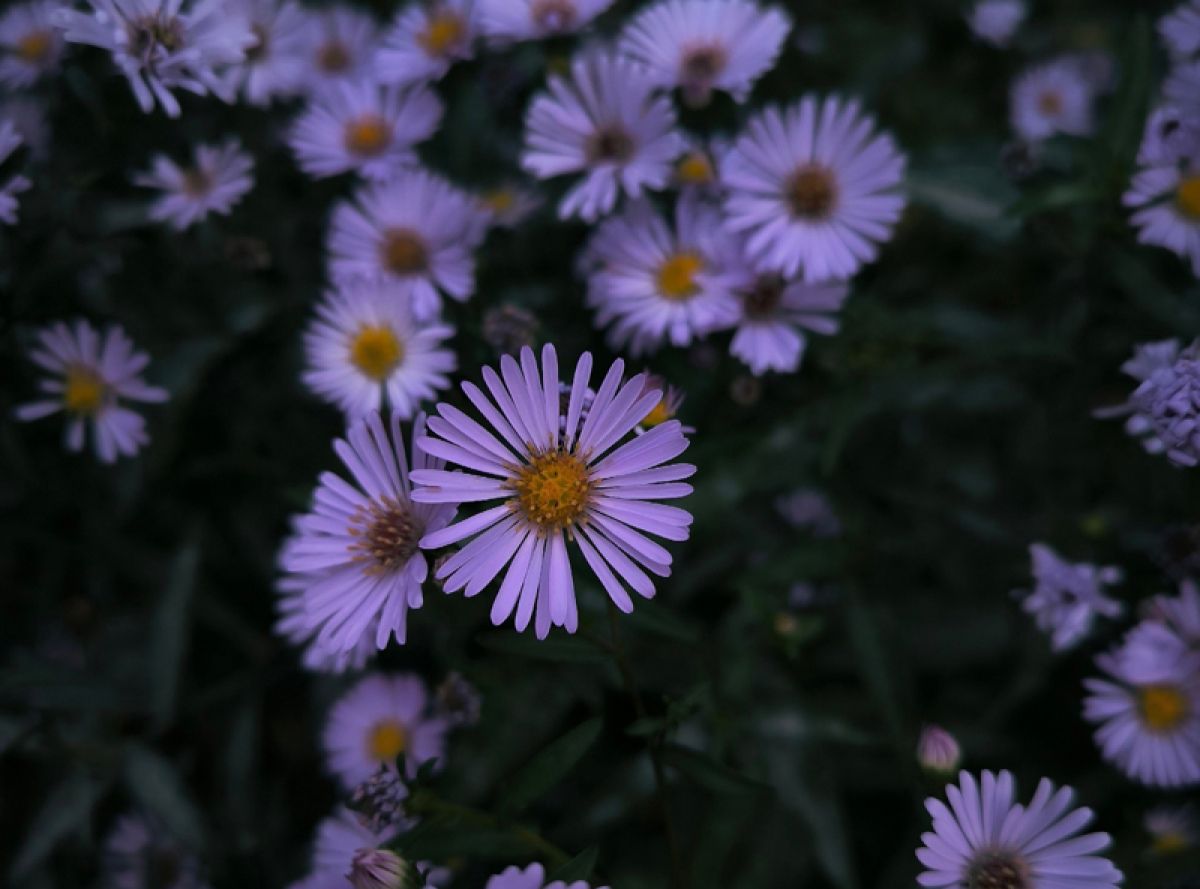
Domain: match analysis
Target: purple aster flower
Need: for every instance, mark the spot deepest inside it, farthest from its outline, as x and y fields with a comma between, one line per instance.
x=218, y=178
x=705, y=45
x=668, y=406
x=1051, y=98
x=1172, y=829
x=773, y=315
x=938, y=750
x=996, y=21
x=293, y=624
x=1169, y=402
x=1180, y=29
x=814, y=188
x=89, y=374
x=1148, y=359
x=31, y=45
x=163, y=45
x=508, y=205
x=10, y=141
x=507, y=21
x=697, y=168
x=606, y=122
x=1166, y=202
x=380, y=718
x=531, y=877
x=558, y=483
x=415, y=229
x=1148, y=712
x=1182, y=87
x=1180, y=613
x=1067, y=596
x=276, y=64
x=359, y=125
x=339, y=838
x=356, y=551
x=139, y=853
x=984, y=838
x=654, y=283
x=426, y=39
x=342, y=42
x=365, y=348
x=1171, y=138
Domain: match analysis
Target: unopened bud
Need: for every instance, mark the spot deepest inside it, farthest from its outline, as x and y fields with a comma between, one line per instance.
x=381, y=869
x=938, y=751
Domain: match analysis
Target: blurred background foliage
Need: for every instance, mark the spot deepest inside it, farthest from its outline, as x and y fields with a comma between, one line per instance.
x=949, y=422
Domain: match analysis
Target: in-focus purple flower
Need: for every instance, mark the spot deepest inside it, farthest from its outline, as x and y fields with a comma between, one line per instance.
x=605, y=121
x=507, y=21
x=415, y=229
x=1180, y=30
x=356, y=552
x=1051, y=98
x=996, y=21
x=1165, y=198
x=31, y=45
x=277, y=62
x=1067, y=596
x=378, y=719
x=705, y=45
x=341, y=45
x=362, y=126
x=1181, y=613
x=217, y=179
x=90, y=373
x=426, y=39
x=139, y=852
x=814, y=189
x=531, y=877
x=558, y=482
x=10, y=141
x=653, y=283
x=938, y=750
x=159, y=46
x=984, y=838
x=365, y=351
x=1172, y=829
x=773, y=315
x=1148, y=711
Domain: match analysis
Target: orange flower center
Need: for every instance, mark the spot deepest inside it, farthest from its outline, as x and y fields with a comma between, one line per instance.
x=376, y=351
x=553, y=490
x=85, y=391
x=1187, y=196
x=677, y=276
x=1162, y=707
x=35, y=46
x=387, y=740
x=444, y=33
x=694, y=169
x=368, y=136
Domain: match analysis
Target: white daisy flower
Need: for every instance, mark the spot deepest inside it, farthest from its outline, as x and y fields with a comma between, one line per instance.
x=813, y=188
x=31, y=45
x=775, y=313
x=364, y=349
x=276, y=62
x=1180, y=30
x=1166, y=203
x=705, y=45
x=506, y=21
x=10, y=141
x=415, y=229
x=341, y=45
x=427, y=38
x=1051, y=98
x=218, y=178
x=606, y=122
x=162, y=45
x=996, y=21
x=362, y=126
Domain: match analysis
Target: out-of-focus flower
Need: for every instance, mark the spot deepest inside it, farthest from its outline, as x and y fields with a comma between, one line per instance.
x=506, y=21
x=185, y=44
x=814, y=188
x=773, y=315
x=1148, y=360
x=458, y=701
x=705, y=45
x=1182, y=87
x=1180, y=29
x=139, y=854
x=1051, y=98
x=294, y=625
x=31, y=45
x=361, y=126
x=508, y=205
x=378, y=719
x=1149, y=712
x=668, y=405
x=809, y=510
x=1169, y=402
x=218, y=178
x=531, y=877
x=984, y=838
x=89, y=374
x=745, y=390
x=10, y=141
x=28, y=119
x=426, y=39
x=556, y=483
x=654, y=284
x=1067, y=596
x=276, y=64
x=938, y=751
x=1172, y=829
x=364, y=349
x=1171, y=138
x=378, y=802
x=508, y=328
x=604, y=121
x=996, y=21
x=381, y=869
x=1181, y=613
x=697, y=168
x=415, y=229
x=356, y=552
x=341, y=46
x=1166, y=202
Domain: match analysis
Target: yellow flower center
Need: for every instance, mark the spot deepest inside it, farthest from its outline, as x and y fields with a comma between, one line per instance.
x=499, y=200
x=1050, y=103
x=553, y=490
x=368, y=136
x=444, y=33
x=85, y=391
x=387, y=740
x=677, y=276
x=812, y=192
x=403, y=251
x=694, y=169
x=34, y=47
x=660, y=413
x=1187, y=196
x=1162, y=707
x=1170, y=843
x=333, y=57
x=376, y=351
x=385, y=536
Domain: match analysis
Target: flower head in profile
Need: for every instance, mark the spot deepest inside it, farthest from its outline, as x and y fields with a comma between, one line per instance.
x=506, y=21
x=1150, y=362
x=276, y=64
x=605, y=121
x=31, y=44
x=1067, y=596
x=531, y=877
x=216, y=180
x=1180, y=613
x=1168, y=403
x=669, y=404
x=996, y=21
x=377, y=720
x=813, y=188
x=140, y=852
x=1051, y=98
x=426, y=39
x=1148, y=708
x=415, y=229
x=655, y=283
x=361, y=126
x=773, y=316
x=1172, y=829
x=10, y=141
x=578, y=480
x=341, y=45
x=1180, y=30
x=698, y=167
x=365, y=349
x=1165, y=199
x=191, y=45
x=89, y=375
x=985, y=838
x=508, y=205
x=938, y=751
x=706, y=45
x=355, y=553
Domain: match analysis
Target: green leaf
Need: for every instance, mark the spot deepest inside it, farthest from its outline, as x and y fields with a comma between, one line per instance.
x=565, y=649
x=64, y=811
x=578, y=868
x=971, y=195
x=169, y=634
x=155, y=784
x=708, y=772
x=549, y=766
x=443, y=836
